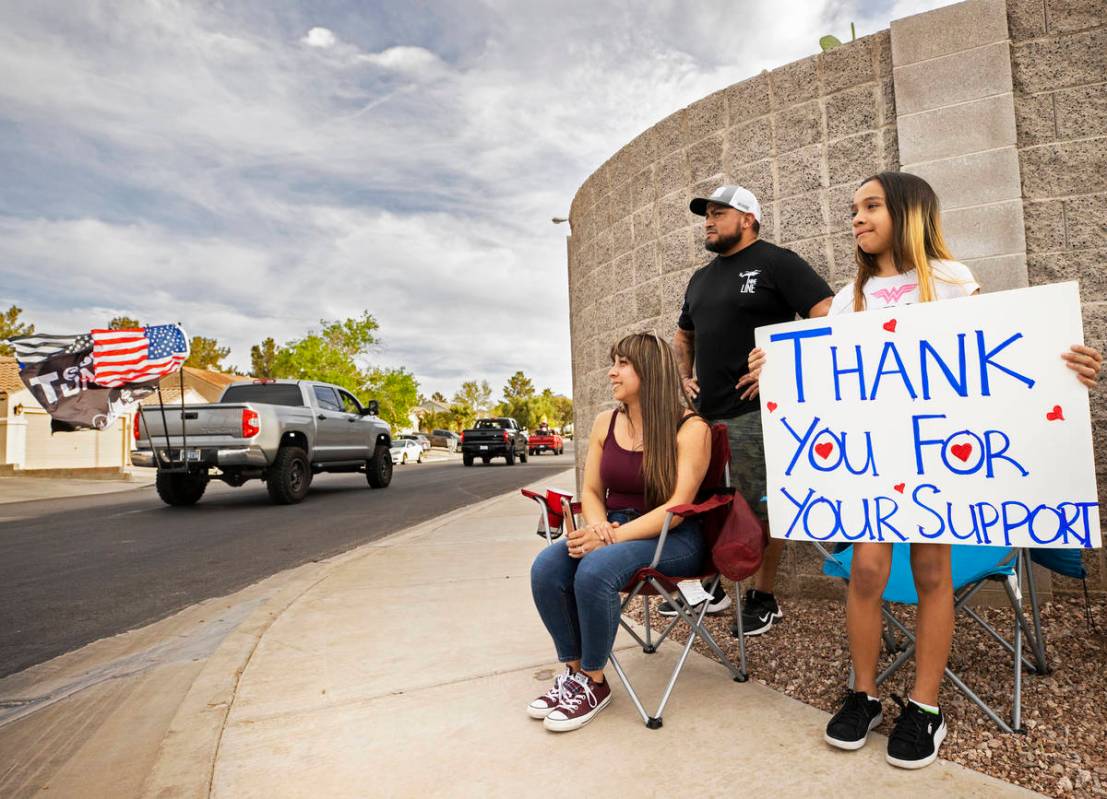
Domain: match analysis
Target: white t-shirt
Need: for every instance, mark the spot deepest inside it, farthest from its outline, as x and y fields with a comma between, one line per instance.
x=951, y=279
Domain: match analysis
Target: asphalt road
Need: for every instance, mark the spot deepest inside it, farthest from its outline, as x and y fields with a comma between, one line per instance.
x=78, y=569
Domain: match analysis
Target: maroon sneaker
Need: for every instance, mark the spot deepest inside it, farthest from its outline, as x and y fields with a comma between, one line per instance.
x=541, y=707
x=582, y=701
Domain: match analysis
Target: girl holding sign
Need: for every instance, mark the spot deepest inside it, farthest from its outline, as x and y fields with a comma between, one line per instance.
x=902, y=259
x=648, y=454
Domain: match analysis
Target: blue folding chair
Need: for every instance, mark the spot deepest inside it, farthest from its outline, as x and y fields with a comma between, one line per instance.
x=972, y=567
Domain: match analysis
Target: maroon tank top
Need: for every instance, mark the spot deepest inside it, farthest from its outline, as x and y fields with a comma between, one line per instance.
x=621, y=474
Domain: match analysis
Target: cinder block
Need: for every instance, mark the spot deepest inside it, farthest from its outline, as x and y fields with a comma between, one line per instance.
x=768, y=221
x=645, y=225
x=882, y=46
x=758, y=178
x=671, y=133
x=889, y=145
x=793, y=83
x=853, y=159
x=888, y=101
x=1060, y=62
x=750, y=141
x=705, y=157
x=676, y=250
x=620, y=171
x=800, y=171
x=705, y=188
x=672, y=173
x=1085, y=266
x=985, y=230
x=1034, y=119
x=1082, y=113
x=953, y=78
x=673, y=213
x=840, y=200
x=843, y=265
x=797, y=127
x=622, y=236
x=1054, y=170
x=948, y=30
x=1045, y=226
x=707, y=116
x=643, y=189
x=673, y=286
x=802, y=217
x=648, y=298
x=985, y=177
x=1086, y=222
x=848, y=65
x=852, y=111
x=1026, y=19
x=641, y=151
x=1066, y=16
x=748, y=99
x=815, y=251
x=956, y=130
x=647, y=263
x=999, y=273
x=605, y=247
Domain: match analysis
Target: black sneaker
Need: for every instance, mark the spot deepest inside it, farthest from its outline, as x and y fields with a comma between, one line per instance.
x=720, y=601
x=760, y=611
x=849, y=728
x=916, y=737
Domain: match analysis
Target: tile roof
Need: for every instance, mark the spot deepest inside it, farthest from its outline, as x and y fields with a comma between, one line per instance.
x=9, y=374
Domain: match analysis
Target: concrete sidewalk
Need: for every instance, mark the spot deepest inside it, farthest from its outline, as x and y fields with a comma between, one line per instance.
x=19, y=488
x=404, y=670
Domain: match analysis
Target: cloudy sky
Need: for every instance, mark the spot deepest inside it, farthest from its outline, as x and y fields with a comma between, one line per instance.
x=248, y=168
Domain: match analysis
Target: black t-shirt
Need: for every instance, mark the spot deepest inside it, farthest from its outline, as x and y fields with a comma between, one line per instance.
x=761, y=284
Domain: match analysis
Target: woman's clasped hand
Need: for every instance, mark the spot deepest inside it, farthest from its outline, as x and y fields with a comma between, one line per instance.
x=590, y=537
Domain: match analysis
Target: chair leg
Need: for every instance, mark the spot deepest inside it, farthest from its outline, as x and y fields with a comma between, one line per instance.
x=1037, y=640
x=743, y=663
x=648, y=648
x=630, y=689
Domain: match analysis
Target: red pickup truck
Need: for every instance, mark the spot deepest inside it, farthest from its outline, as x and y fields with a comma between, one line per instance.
x=545, y=440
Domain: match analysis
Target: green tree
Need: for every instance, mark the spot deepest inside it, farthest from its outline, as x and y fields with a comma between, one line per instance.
x=123, y=322
x=205, y=353
x=352, y=337
x=263, y=358
x=11, y=327
x=519, y=399
x=563, y=411
x=396, y=392
x=312, y=358
x=476, y=396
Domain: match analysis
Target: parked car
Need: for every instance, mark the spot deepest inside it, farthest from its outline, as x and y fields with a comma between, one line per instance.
x=545, y=441
x=419, y=439
x=404, y=450
x=499, y=437
x=281, y=431
x=446, y=439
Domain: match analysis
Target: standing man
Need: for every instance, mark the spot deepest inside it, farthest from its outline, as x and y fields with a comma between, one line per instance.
x=749, y=284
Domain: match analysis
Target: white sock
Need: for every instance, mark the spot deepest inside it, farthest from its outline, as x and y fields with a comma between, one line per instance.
x=932, y=709
x=873, y=698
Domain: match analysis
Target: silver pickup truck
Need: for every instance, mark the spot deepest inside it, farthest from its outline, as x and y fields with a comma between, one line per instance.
x=281, y=431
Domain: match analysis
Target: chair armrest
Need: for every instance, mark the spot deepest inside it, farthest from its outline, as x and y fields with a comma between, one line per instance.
x=709, y=504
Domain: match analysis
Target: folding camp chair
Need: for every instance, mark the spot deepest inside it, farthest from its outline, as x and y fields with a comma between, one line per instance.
x=713, y=501
x=972, y=567
x=551, y=517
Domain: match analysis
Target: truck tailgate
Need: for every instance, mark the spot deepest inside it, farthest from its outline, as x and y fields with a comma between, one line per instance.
x=201, y=424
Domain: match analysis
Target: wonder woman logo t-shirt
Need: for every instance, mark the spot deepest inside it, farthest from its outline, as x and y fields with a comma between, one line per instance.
x=951, y=279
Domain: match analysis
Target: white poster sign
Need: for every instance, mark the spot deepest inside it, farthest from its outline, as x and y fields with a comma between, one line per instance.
x=951, y=422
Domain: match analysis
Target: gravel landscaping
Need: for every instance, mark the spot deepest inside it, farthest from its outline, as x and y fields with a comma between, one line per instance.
x=1064, y=750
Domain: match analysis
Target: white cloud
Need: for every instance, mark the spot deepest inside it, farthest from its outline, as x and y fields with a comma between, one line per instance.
x=403, y=59
x=319, y=37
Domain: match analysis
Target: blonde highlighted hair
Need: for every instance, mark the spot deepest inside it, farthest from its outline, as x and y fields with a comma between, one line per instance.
x=916, y=234
x=664, y=404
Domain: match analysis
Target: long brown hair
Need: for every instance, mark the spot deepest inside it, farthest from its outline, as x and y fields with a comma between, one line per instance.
x=916, y=234
x=664, y=404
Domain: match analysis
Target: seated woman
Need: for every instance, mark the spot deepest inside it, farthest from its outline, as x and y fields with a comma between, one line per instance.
x=648, y=454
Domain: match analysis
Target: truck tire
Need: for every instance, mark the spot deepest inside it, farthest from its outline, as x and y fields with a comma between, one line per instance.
x=181, y=489
x=522, y=457
x=510, y=456
x=289, y=478
x=467, y=459
x=378, y=469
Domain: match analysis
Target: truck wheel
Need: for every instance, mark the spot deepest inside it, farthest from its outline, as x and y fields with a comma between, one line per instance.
x=378, y=469
x=522, y=457
x=510, y=456
x=181, y=489
x=485, y=461
x=289, y=478
x=467, y=459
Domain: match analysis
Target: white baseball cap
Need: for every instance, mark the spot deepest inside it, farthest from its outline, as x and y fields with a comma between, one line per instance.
x=735, y=196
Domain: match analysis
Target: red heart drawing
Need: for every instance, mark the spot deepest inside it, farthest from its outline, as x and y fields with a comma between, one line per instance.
x=1055, y=414
x=961, y=451
x=890, y=325
x=899, y=487
x=771, y=406
x=823, y=450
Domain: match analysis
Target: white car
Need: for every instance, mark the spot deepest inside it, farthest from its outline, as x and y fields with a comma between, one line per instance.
x=404, y=450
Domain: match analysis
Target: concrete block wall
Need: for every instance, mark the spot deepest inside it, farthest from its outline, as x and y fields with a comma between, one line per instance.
x=957, y=94
x=1059, y=72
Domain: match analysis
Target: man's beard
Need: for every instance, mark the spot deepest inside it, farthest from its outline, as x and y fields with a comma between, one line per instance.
x=721, y=243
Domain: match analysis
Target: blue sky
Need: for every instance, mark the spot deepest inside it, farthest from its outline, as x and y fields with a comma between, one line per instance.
x=249, y=168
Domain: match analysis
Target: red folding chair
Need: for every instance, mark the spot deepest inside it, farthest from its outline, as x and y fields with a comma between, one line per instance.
x=713, y=505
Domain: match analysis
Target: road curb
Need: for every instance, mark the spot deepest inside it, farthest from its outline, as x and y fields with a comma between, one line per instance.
x=185, y=763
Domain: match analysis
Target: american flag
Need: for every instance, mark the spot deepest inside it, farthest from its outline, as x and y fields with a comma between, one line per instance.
x=40, y=346
x=137, y=355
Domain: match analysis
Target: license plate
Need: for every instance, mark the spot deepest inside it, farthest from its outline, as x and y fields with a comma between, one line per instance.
x=484, y=446
x=192, y=454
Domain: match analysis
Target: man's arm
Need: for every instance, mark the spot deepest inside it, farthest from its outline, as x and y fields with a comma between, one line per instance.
x=684, y=346
x=821, y=308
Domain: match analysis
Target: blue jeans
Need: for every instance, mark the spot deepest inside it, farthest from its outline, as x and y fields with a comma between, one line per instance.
x=578, y=599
